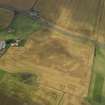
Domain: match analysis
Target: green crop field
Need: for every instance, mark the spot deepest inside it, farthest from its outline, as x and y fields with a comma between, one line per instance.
x=22, y=25
x=2, y=73
x=97, y=86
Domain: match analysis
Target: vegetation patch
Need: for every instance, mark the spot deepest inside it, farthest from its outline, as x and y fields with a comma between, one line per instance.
x=16, y=88
x=26, y=78
x=21, y=27
x=24, y=25
x=97, y=87
x=2, y=73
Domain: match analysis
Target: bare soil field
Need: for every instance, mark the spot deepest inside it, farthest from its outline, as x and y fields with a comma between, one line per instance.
x=76, y=15
x=6, y=17
x=19, y=4
x=62, y=63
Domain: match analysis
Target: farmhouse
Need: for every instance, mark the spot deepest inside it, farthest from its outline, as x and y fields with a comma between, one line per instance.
x=34, y=13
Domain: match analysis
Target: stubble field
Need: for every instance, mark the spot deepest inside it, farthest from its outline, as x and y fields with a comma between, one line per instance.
x=62, y=63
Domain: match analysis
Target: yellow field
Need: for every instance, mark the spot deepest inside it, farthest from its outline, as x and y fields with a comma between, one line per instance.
x=62, y=63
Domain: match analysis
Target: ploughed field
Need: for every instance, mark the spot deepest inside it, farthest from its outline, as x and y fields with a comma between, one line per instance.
x=18, y=4
x=6, y=17
x=82, y=16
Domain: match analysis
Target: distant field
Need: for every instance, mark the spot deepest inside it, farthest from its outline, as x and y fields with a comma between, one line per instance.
x=6, y=17
x=97, y=88
x=19, y=4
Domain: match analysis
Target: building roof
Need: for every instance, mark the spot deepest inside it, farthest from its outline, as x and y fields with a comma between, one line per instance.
x=2, y=45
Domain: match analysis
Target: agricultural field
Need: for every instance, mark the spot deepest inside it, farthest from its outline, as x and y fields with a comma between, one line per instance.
x=18, y=4
x=75, y=15
x=2, y=73
x=97, y=88
x=83, y=17
x=21, y=27
x=59, y=51
x=16, y=88
x=62, y=63
x=6, y=17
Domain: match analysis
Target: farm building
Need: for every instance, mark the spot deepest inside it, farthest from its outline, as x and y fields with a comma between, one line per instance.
x=34, y=13
x=2, y=45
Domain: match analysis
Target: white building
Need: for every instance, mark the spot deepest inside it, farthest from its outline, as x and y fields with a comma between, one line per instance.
x=2, y=45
